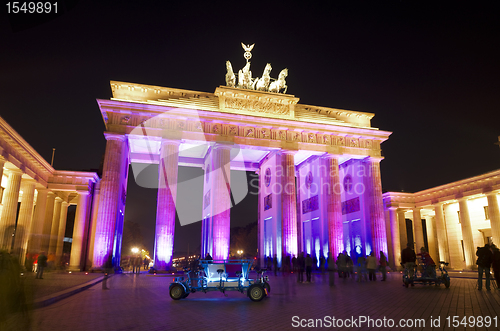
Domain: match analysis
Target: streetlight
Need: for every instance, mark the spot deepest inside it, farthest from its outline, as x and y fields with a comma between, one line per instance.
x=135, y=250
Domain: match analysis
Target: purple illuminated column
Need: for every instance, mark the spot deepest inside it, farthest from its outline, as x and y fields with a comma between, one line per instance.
x=375, y=205
x=111, y=183
x=221, y=201
x=333, y=190
x=165, y=211
x=289, y=237
x=9, y=209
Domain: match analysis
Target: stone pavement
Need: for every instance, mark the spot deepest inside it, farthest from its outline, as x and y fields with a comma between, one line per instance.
x=143, y=303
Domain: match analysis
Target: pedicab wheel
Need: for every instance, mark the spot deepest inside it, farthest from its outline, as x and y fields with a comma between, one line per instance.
x=177, y=292
x=185, y=295
x=267, y=287
x=447, y=282
x=256, y=292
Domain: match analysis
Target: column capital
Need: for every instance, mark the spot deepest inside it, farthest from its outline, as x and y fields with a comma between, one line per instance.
x=58, y=199
x=330, y=156
x=82, y=192
x=223, y=145
x=373, y=159
x=115, y=136
x=288, y=152
x=14, y=171
x=491, y=193
x=165, y=141
x=50, y=193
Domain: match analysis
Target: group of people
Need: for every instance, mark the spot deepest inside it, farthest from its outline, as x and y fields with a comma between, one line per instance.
x=488, y=257
x=136, y=262
x=344, y=266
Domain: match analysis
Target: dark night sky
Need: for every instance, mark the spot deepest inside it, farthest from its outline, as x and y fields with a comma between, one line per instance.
x=430, y=72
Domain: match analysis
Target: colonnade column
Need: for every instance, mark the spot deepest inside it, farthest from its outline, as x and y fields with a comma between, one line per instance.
x=63, y=215
x=442, y=236
x=24, y=219
x=289, y=239
x=494, y=217
x=93, y=223
x=403, y=240
x=9, y=210
x=221, y=200
x=111, y=183
x=470, y=256
x=36, y=232
x=2, y=163
x=375, y=204
x=418, y=232
x=396, y=245
x=334, y=205
x=165, y=210
x=54, y=230
x=47, y=221
x=75, y=261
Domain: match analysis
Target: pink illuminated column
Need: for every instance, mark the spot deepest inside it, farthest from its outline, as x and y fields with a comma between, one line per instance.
x=469, y=249
x=9, y=209
x=395, y=259
x=494, y=216
x=54, y=230
x=418, y=232
x=165, y=211
x=110, y=196
x=75, y=261
x=221, y=203
x=36, y=232
x=334, y=204
x=289, y=239
x=24, y=219
x=375, y=205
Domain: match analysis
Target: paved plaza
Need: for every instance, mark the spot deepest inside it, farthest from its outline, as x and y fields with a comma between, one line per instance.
x=142, y=302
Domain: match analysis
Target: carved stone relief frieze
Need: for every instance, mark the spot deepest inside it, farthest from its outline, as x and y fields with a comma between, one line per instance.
x=257, y=106
x=249, y=132
x=233, y=130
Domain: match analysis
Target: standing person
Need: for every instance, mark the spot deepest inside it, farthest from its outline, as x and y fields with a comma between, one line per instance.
x=484, y=259
x=41, y=264
x=331, y=269
x=275, y=264
x=383, y=265
x=107, y=268
x=361, y=267
x=341, y=264
x=294, y=263
x=309, y=263
x=146, y=263
x=408, y=258
x=138, y=262
x=300, y=267
x=496, y=263
x=371, y=265
x=321, y=262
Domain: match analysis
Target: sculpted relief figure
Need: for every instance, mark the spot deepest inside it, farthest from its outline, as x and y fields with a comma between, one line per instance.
x=230, y=77
x=263, y=83
x=280, y=84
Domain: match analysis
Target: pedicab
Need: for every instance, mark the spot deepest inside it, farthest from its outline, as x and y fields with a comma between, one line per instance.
x=426, y=275
x=227, y=275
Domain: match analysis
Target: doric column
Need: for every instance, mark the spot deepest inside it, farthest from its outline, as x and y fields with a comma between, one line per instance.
x=47, y=221
x=54, y=230
x=289, y=238
x=93, y=222
x=494, y=217
x=165, y=209
x=396, y=246
x=2, y=163
x=430, y=224
x=24, y=219
x=470, y=252
x=441, y=233
x=36, y=232
x=403, y=240
x=9, y=210
x=334, y=205
x=375, y=205
x=63, y=215
x=75, y=260
x=418, y=232
x=110, y=196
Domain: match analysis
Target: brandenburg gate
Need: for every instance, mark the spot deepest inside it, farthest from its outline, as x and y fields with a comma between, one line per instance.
x=319, y=174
